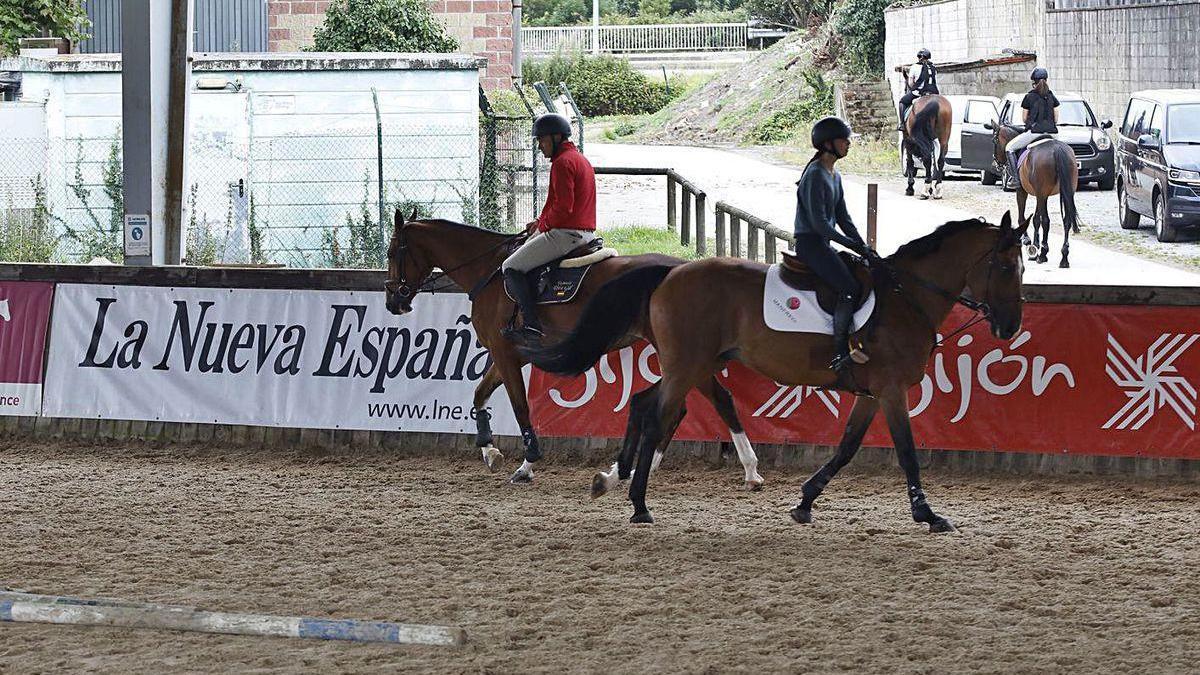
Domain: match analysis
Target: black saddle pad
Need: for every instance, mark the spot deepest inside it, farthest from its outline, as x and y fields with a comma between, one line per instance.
x=555, y=285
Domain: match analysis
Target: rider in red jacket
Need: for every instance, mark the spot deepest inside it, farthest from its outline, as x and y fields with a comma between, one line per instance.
x=567, y=222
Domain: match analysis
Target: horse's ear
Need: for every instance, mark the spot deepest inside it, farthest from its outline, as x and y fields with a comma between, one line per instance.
x=398, y=219
x=1006, y=221
x=413, y=215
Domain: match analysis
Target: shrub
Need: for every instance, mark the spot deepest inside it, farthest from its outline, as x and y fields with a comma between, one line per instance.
x=861, y=26
x=381, y=26
x=783, y=125
x=601, y=85
x=26, y=18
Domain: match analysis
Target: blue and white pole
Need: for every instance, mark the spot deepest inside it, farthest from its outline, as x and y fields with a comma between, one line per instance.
x=32, y=608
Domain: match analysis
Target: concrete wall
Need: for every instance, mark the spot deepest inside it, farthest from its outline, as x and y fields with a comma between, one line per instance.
x=1102, y=49
x=482, y=28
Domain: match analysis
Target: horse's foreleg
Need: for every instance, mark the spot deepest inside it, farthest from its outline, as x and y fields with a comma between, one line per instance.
x=492, y=457
x=723, y=402
x=895, y=409
x=509, y=368
x=1030, y=246
x=856, y=428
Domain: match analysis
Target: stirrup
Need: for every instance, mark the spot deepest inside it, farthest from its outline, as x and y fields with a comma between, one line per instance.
x=523, y=333
x=853, y=355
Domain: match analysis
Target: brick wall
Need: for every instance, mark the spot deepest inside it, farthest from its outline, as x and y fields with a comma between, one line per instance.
x=482, y=28
x=1102, y=49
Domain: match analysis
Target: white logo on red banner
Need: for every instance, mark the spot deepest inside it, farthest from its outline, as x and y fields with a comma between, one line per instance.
x=1151, y=381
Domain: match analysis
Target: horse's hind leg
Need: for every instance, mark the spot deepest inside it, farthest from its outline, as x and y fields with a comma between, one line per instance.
x=943, y=149
x=856, y=428
x=927, y=162
x=1066, y=247
x=910, y=168
x=1044, y=216
x=660, y=426
x=639, y=404
x=723, y=402
x=488, y=384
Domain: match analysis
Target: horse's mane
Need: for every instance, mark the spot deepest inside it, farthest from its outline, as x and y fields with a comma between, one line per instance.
x=932, y=242
x=456, y=225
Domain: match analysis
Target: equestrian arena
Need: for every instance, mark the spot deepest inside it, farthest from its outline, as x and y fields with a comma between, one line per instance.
x=1045, y=574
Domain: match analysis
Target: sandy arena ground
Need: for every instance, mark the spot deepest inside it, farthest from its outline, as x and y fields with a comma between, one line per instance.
x=1046, y=575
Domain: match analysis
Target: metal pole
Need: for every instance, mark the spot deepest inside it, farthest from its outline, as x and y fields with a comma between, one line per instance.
x=872, y=213
x=595, y=27
x=179, y=79
x=516, y=42
x=379, y=159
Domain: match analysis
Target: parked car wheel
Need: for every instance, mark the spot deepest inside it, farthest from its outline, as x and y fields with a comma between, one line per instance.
x=1107, y=183
x=1129, y=218
x=1166, y=232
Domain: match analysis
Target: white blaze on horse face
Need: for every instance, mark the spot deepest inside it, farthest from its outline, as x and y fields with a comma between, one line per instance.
x=746, y=455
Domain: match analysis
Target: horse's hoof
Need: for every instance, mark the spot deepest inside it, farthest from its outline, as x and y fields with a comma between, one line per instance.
x=941, y=525
x=641, y=518
x=1031, y=250
x=802, y=516
x=922, y=196
x=599, y=485
x=1042, y=258
x=520, y=476
x=492, y=458
x=755, y=484
x=1064, y=265
x=909, y=192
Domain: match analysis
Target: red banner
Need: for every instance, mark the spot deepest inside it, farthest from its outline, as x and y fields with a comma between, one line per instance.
x=24, y=316
x=1083, y=379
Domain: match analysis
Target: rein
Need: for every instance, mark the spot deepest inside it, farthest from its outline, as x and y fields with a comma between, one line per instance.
x=981, y=309
x=408, y=293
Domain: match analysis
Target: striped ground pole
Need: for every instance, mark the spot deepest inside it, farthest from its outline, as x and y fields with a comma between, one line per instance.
x=30, y=608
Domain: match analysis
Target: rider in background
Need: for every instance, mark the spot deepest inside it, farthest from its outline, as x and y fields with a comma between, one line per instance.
x=568, y=219
x=920, y=79
x=1040, y=118
x=820, y=211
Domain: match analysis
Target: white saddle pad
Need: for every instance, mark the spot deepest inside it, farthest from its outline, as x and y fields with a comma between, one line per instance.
x=786, y=309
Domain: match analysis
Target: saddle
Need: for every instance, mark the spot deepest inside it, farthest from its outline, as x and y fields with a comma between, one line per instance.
x=1032, y=144
x=800, y=277
x=558, y=281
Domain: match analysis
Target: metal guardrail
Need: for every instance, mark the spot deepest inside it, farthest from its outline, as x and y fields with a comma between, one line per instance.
x=636, y=38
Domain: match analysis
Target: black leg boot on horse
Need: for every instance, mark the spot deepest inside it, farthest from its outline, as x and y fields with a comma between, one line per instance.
x=517, y=284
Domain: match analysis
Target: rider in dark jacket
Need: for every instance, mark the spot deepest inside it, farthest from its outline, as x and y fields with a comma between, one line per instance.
x=920, y=79
x=820, y=212
x=1040, y=117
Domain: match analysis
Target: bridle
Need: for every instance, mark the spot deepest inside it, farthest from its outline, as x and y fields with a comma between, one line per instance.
x=982, y=309
x=407, y=291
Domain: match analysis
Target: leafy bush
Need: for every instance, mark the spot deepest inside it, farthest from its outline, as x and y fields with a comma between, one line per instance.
x=27, y=235
x=861, y=26
x=601, y=85
x=783, y=125
x=381, y=26
x=28, y=18
x=794, y=13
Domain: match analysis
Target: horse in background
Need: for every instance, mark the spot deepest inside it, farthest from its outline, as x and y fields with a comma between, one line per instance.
x=1047, y=168
x=930, y=119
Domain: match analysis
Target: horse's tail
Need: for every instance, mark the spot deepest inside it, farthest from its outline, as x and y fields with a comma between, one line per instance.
x=923, y=132
x=1064, y=166
x=608, y=318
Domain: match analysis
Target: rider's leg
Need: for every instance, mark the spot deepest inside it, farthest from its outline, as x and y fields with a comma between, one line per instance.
x=829, y=266
x=905, y=101
x=539, y=250
x=1013, y=151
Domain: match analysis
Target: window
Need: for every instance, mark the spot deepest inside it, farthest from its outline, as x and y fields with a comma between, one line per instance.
x=1075, y=114
x=1155, y=126
x=1006, y=113
x=980, y=112
x=1183, y=124
x=1136, y=118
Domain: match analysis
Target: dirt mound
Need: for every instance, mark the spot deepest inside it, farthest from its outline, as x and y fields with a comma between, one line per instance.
x=745, y=104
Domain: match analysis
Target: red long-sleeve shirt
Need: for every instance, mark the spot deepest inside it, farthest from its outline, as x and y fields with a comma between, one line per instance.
x=571, y=202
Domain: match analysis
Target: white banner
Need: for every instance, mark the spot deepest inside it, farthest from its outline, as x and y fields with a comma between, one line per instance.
x=315, y=359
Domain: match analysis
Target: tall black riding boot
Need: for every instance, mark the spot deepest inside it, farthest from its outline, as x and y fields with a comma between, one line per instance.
x=1013, y=172
x=900, y=124
x=517, y=285
x=843, y=314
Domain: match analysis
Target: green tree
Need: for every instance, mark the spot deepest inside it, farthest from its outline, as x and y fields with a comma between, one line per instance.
x=30, y=18
x=861, y=26
x=655, y=7
x=381, y=26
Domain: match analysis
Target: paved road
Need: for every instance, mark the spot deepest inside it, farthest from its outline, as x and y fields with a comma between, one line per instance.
x=768, y=190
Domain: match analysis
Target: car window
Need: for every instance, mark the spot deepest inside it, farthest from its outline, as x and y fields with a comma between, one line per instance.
x=1183, y=123
x=980, y=112
x=1075, y=114
x=1136, y=118
x=1006, y=113
x=1154, y=128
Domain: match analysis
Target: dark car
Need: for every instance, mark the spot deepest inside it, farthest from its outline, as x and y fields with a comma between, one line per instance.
x=1077, y=127
x=1159, y=161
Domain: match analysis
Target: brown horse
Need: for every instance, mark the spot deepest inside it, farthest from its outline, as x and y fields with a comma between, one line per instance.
x=930, y=118
x=470, y=257
x=1048, y=169
x=707, y=313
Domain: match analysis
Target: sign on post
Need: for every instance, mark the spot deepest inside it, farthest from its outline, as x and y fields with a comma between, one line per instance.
x=137, y=235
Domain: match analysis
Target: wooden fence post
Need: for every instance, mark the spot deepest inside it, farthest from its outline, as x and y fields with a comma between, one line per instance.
x=770, y=244
x=671, y=222
x=752, y=241
x=721, y=247
x=701, y=234
x=735, y=235
x=872, y=213
x=685, y=225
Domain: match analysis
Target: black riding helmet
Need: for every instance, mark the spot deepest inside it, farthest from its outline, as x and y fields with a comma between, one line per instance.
x=924, y=54
x=552, y=123
x=1039, y=74
x=829, y=129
